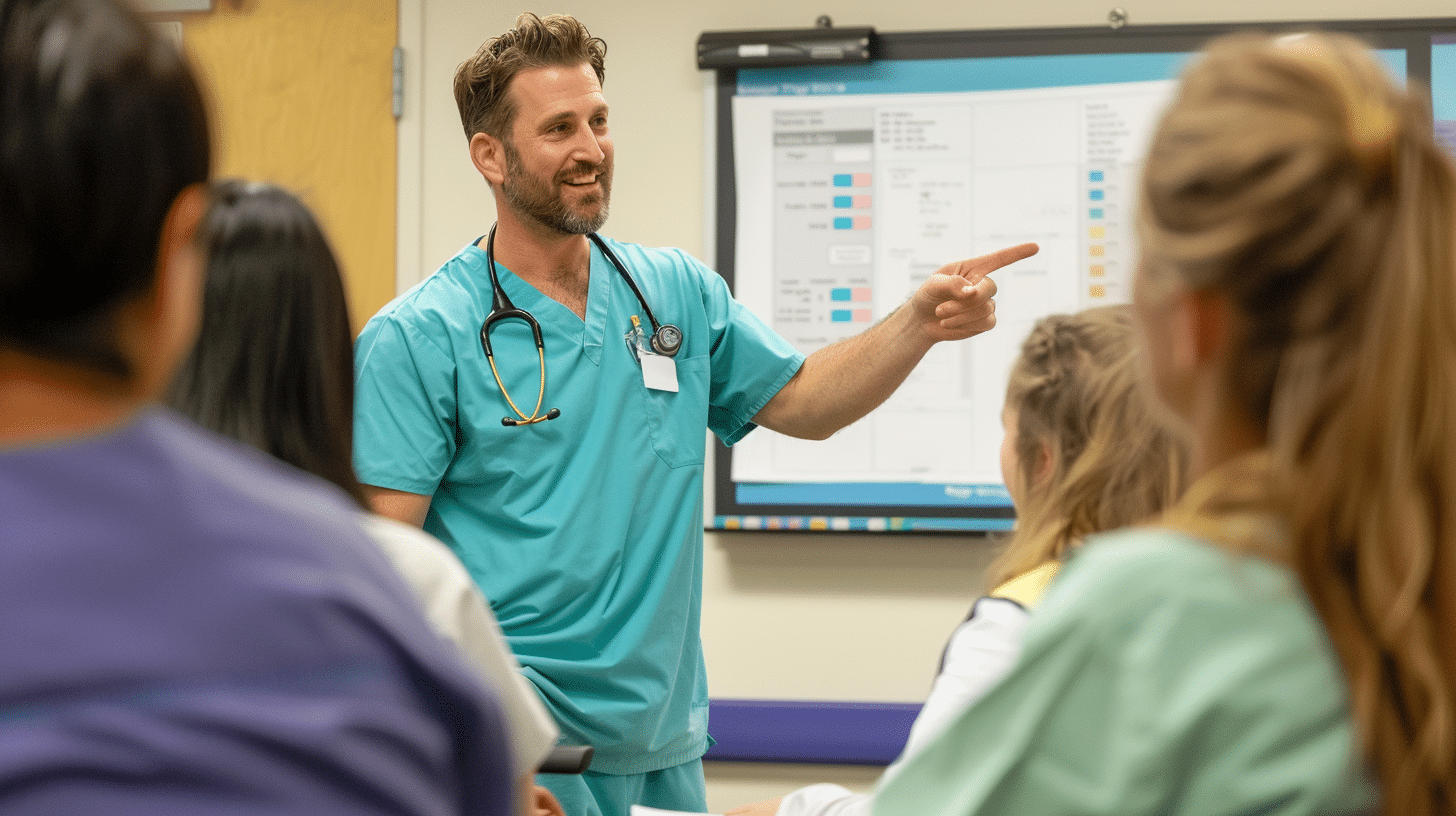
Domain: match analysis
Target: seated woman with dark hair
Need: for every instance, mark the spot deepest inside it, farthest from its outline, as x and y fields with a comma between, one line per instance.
x=274, y=368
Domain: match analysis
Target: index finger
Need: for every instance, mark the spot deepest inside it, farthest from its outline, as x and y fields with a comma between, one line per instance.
x=973, y=269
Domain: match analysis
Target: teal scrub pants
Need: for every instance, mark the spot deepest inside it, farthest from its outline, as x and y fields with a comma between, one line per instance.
x=680, y=787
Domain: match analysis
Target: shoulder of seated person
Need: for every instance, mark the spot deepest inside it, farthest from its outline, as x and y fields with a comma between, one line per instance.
x=1119, y=557
x=1026, y=589
x=1160, y=565
x=408, y=541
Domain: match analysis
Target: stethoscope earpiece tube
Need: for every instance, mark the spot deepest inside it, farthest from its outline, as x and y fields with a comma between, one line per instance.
x=511, y=423
x=667, y=339
x=503, y=309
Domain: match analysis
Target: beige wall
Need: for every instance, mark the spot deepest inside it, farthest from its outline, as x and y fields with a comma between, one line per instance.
x=823, y=617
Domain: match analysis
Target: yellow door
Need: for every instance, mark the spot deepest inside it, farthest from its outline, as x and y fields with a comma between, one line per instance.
x=301, y=91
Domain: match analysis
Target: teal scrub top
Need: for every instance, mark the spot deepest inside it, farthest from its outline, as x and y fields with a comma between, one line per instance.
x=585, y=532
x=1160, y=676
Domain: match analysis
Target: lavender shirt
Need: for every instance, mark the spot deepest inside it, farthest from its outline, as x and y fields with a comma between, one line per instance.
x=187, y=627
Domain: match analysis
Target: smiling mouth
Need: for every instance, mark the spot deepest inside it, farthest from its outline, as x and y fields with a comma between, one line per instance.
x=584, y=174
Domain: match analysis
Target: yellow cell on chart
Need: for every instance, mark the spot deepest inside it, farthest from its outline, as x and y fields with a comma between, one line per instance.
x=1097, y=232
x=1098, y=290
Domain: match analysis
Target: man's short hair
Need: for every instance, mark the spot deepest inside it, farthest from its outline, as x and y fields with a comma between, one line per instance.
x=102, y=126
x=481, y=82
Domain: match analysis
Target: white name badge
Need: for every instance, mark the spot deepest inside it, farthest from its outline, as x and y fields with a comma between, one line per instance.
x=658, y=372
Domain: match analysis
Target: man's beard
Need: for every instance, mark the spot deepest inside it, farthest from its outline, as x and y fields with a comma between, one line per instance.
x=544, y=203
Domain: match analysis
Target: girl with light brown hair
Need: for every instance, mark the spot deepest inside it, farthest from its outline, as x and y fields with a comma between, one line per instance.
x=1081, y=454
x=1285, y=642
x=1082, y=451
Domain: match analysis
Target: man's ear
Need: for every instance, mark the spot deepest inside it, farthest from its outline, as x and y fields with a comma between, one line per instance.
x=164, y=323
x=488, y=155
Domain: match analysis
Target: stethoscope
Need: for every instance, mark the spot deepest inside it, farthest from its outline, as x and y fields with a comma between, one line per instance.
x=666, y=338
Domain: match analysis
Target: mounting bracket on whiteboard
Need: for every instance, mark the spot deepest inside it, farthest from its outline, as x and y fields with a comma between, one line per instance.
x=821, y=45
x=1117, y=18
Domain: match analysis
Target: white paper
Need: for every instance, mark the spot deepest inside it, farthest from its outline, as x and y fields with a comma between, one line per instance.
x=658, y=372
x=846, y=203
x=643, y=810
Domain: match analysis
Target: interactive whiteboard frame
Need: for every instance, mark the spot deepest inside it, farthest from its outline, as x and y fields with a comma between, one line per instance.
x=735, y=512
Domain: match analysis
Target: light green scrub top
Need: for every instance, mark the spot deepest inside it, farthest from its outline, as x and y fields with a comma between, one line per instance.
x=585, y=532
x=1160, y=676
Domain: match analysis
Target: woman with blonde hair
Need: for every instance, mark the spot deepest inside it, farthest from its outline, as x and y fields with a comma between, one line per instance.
x=1082, y=451
x=1285, y=641
x=1081, y=454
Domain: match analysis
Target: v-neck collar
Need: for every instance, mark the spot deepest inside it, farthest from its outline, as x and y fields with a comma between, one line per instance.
x=556, y=319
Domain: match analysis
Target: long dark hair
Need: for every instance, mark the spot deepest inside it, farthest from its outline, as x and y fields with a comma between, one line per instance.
x=273, y=366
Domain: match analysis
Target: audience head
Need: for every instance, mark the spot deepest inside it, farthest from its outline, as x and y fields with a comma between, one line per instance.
x=273, y=365
x=103, y=137
x=1298, y=289
x=482, y=83
x=1082, y=451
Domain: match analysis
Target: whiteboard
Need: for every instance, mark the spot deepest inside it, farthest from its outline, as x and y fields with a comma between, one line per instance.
x=840, y=188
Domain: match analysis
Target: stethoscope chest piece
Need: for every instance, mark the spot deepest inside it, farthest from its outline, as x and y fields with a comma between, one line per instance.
x=667, y=340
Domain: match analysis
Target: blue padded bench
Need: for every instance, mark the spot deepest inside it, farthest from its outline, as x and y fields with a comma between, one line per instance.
x=831, y=733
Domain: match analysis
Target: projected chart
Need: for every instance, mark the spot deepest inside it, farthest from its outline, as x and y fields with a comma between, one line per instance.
x=849, y=184
x=853, y=200
x=823, y=189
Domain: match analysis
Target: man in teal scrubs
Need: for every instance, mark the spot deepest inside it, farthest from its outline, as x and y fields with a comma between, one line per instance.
x=585, y=529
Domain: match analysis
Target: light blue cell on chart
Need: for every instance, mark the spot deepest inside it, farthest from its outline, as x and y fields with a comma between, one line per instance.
x=1096, y=195
x=1443, y=81
x=1095, y=175
x=843, y=179
x=843, y=202
x=844, y=223
x=841, y=315
x=844, y=293
x=1095, y=212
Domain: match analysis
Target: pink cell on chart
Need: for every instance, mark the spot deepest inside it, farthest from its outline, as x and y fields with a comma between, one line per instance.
x=863, y=316
x=862, y=221
x=863, y=202
x=862, y=179
x=862, y=294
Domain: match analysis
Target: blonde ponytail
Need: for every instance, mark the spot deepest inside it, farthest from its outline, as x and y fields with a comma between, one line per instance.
x=1295, y=180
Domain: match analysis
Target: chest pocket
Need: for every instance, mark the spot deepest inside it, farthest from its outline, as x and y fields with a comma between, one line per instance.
x=677, y=422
